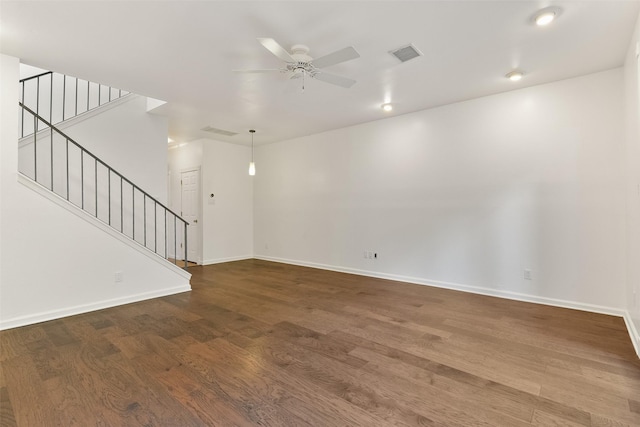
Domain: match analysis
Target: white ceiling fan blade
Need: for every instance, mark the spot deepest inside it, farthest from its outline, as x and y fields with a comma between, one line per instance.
x=276, y=49
x=342, y=55
x=334, y=79
x=272, y=70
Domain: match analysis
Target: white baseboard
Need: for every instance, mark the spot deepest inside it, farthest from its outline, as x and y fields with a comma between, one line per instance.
x=633, y=332
x=228, y=259
x=457, y=287
x=631, y=328
x=85, y=308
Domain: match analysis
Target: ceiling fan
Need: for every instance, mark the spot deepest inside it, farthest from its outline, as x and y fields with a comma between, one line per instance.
x=299, y=64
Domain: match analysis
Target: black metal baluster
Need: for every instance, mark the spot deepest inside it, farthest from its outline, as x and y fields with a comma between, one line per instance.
x=155, y=226
x=166, y=241
x=37, y=101
x=109, y=189
x=35, y=150
x=67, y=157
x=175, y=241
x=133, y=211
x=22, y=119
x=51, y=140
x=51, y=100
x=96, y=183
x=144, y=213
x=82, y=176
x=186, y=262
x=121, y=208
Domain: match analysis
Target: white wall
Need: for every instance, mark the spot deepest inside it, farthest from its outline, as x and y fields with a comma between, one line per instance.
x=131, y=141
x=632, y=92
x=227, y=218
x=55, y=263
x=463, y=196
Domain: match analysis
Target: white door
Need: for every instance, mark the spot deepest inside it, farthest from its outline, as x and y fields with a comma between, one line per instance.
x=190, y=189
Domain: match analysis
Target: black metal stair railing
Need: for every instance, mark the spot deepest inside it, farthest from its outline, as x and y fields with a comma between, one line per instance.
x=60, y=97
x=58, y=163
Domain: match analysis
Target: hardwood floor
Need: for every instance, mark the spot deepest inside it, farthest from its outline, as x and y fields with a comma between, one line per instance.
x=259, y=343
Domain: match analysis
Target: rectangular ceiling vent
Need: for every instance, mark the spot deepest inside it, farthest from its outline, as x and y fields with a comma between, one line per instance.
x=219, y=131
x=406, y=53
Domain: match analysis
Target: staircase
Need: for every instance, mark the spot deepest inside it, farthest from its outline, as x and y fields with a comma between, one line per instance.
x=58, y=163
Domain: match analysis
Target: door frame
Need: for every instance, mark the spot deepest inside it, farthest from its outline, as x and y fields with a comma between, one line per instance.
x=198, y=253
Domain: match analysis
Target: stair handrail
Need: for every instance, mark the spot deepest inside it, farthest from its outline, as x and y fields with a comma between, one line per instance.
x=110, y=170
x=37, y=77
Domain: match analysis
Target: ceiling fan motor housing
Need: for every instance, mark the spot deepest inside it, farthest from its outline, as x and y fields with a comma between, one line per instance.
x=300, y=53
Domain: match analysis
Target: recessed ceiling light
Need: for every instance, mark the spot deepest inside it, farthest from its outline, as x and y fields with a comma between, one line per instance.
x=546, y=16
x=387, y=106
x=514, y=76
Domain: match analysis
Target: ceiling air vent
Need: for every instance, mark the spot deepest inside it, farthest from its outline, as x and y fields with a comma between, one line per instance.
x=219, y=131
x=406, y=53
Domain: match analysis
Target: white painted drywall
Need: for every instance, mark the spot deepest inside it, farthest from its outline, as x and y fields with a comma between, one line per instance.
x=132, y=141
x=227, y=218
x=53, y=262
x=632, y=95
x=464, y=196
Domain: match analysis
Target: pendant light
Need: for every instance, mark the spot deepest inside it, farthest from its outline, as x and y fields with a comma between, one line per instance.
x=252, y=166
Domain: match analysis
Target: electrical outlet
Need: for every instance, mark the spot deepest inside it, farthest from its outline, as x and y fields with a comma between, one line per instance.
x=118, y=276
x=364, y=254
x=527, y=274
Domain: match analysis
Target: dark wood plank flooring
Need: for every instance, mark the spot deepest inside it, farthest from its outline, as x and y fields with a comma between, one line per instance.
x=260, y=343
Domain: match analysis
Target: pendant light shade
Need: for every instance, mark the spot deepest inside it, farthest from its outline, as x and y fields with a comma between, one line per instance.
x=252, y=165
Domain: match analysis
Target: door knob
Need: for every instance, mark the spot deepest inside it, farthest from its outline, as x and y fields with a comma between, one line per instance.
x=195, y=221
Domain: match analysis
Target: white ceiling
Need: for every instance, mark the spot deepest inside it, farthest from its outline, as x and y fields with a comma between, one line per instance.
x=184, y=52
